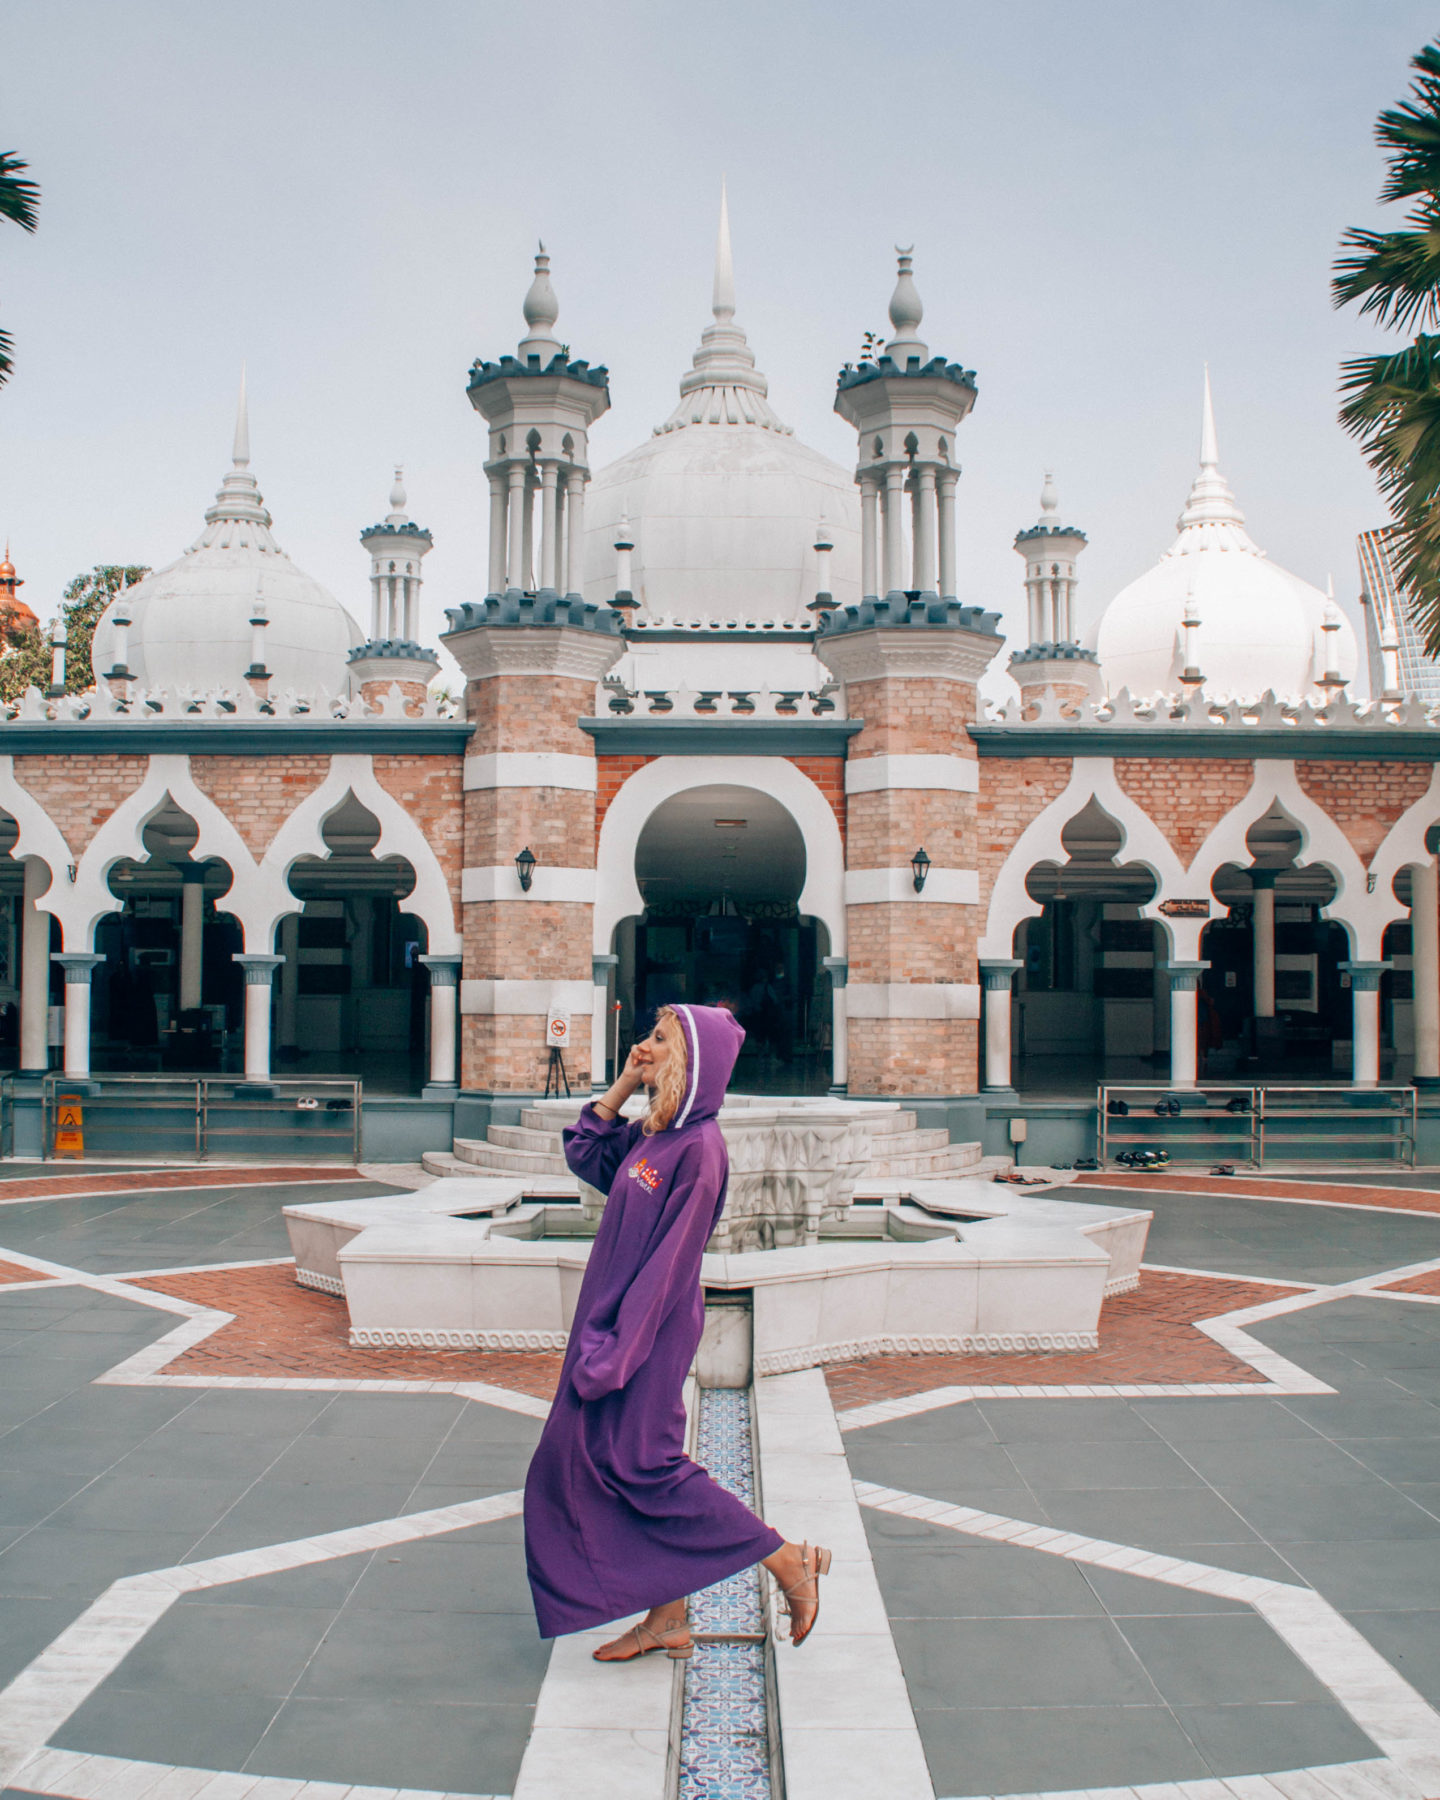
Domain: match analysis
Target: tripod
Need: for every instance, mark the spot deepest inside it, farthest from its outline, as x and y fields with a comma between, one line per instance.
x=555, y=1074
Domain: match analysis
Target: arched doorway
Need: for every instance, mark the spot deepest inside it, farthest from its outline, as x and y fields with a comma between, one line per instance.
x=720, y=871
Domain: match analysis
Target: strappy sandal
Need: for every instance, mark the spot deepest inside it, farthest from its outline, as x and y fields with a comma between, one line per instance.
x=659, y=1640
x=821, y=1559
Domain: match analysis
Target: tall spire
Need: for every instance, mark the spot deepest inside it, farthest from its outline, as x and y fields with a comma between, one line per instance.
x=541, y=310
x=1210, y=501
x=238, y=500
x=722, y=302
x=1049, y=500
x=398, y=500
x=906, y=311
x=1209, y=448
x=240, y=454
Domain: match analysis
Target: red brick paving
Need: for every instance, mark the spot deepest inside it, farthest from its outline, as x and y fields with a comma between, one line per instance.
x=286, y=1332
x=1147, y=1335
x=44, y=1187
x=1415, y=1284
x=1400, y=1199
x=14, y=1272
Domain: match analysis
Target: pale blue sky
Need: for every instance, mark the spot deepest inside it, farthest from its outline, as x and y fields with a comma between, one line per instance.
x=1102, y=196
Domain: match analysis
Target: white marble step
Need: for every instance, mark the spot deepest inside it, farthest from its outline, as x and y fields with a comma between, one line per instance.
x=950, y=1160
x=495, y=1157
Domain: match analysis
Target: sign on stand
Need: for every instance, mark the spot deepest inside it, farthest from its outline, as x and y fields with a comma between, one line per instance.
x=557, y=1036
x=69, y=1127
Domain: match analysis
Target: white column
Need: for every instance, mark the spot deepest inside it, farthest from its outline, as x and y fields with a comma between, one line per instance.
x=444, y=1017
x=375, y=608
x=34, y=971
x=999, y=979
x=412, y=606
x=1184, y=1007
x=192, y=934
x=894, y=534
x=1365, y=1012
x=527, y=536
x=497, y=531
x=600, y=967
x=516, y=534
x=1425, y=969
x=549, y=474
x=79, y=966
x=1057, y=623
x=289, y=980
x=574, y=532
x=839, y=1024
x=1263, y=883
x=1035, y=608
x=947, y=535
x=869, y=537
x=924, y=563
x=259, y=973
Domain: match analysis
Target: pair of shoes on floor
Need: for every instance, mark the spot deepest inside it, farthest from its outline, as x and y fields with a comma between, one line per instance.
x=1223, y=1169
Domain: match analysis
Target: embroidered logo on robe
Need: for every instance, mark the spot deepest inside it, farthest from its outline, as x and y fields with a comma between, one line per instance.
x=646, y=1174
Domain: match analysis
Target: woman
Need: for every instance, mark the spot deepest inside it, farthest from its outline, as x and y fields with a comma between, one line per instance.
x=617, y=1517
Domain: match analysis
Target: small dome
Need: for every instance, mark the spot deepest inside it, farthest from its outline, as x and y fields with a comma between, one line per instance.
x=722, y=503
x=1259, y=628
x=190, y=622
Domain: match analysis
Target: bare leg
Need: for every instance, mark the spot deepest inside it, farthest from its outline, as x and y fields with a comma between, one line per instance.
x=668, y=1622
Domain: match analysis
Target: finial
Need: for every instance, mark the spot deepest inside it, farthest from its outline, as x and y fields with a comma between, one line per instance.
x=824, y=540
x=397, y=493
x=541, y=310
x=1049, y=499
x=906, y=311
x=1209, y=449
x=722, y=302
x=240, y=455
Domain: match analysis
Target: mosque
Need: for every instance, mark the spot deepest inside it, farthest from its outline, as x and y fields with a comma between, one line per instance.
x=721, y=740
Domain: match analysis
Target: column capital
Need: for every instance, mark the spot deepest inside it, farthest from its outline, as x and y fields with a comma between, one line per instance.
x=1185, y=975
x=1262, y=878
x=601, y=963
x=444, y=970
x=78, y=965
x=258, y=968
x=998, y=972
x=1364, y=976
x=192, y=873
x=838, y=969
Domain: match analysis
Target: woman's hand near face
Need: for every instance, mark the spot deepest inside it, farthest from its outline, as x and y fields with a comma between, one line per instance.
x=632, y=1076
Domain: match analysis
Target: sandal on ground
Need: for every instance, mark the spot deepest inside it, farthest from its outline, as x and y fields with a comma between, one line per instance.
x=678, y=1647
x=815, y=1562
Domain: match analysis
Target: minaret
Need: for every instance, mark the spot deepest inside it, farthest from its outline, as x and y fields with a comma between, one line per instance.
x=540, y=406
x=15, y=615
x=392, y=653
x=1053, y=656
x=910, y=657
x=532, y=652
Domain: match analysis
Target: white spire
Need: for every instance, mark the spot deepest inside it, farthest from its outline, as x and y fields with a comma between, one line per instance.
x=240, y=455
x=1210, y=501
x=906, y=311
x=722, y=302
x=723, y=387
x=397, y=514
x=541, y=310
x=1049, y=500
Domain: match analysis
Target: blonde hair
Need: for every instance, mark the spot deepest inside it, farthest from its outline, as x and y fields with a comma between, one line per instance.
x=670, y=1088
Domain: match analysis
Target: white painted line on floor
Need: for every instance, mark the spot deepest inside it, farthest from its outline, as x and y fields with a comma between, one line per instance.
x=72, y=1775
x=847, y=1729
x=258, y=1178
x=62, y=1677
x=1397, y=1719
x=1378, y=1779
x=220, y=1268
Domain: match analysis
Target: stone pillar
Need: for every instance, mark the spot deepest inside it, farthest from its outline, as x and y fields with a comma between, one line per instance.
x=999, y=978
x=192, y=934
x=498, y=491
x=1365, y=1012
x=948, y=480
x=549, y=475
x=1425, y=969
x=34, y=972
x=289, y=983
x=574, y=532
x=1262, y=881
x=515, y=528
x=1184, y=1008
x=869, y=537
x=894, y=531
x=923, y=565
x=527, y=533
x=79, y=966
x=259, y=973
x=444, y=1022
x=600, y=968
x=839, y=1026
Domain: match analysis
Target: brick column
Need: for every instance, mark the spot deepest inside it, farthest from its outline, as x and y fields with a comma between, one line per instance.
x=529, y=785
x=912, y=1002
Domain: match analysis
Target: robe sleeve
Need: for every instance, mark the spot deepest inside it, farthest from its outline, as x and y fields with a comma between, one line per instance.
x=609, y=1356
x=596, y=1147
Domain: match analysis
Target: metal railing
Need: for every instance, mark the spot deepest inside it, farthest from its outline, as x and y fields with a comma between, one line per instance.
x=195, y=1116
x=1223, y=1122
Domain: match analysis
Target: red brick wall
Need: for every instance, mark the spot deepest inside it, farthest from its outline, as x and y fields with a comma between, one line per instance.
x=828, y=774
x=258, y=793
x=508, y=1054
x=428, y=787
x=1364, y=798
x=1012, y=794
x=912, y=716
x=80, y=792
x=913, y=1056
x=612, y=772
x=530, y=712
x=1186, y=796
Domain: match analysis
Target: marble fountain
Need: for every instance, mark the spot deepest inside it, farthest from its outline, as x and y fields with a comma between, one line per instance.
x=846, y=1233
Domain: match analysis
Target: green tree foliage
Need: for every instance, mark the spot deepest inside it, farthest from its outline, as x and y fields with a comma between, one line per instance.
x=27, y=660
x=1391, y=402
x=20, y=203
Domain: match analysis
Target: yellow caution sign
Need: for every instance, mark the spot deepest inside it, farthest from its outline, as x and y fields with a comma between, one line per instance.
x=69, y=1127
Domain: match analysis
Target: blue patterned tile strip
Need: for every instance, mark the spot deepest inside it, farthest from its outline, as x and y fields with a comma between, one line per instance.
x=724, y=1737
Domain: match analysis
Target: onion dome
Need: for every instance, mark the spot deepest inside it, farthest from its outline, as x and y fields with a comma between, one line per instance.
x=15, y=615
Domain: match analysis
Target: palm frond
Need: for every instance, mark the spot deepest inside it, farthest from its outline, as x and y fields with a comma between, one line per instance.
x=7, y=344
x=19, y=200
x=1410, y=133
x=1395, y=275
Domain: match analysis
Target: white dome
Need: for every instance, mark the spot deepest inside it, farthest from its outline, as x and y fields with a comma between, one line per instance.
x=190, y=623
x=723, y=503
x=1257, y=627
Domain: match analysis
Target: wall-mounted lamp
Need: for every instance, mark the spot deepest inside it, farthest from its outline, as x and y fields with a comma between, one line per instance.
x=920, y=865
x=525, y=868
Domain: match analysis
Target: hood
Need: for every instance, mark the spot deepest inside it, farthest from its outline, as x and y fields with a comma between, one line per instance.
x=712, y=1042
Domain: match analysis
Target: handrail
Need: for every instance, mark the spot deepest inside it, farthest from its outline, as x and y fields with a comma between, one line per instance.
x=212, y=1111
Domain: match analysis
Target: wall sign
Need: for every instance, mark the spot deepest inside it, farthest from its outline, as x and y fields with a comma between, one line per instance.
x=557, y=1030
x=1185, y=909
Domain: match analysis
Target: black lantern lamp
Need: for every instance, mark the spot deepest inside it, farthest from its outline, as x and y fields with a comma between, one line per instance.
x=920, y=866
x=525, y=869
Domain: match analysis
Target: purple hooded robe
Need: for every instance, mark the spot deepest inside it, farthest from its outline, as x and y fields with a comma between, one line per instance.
x=617, y=1518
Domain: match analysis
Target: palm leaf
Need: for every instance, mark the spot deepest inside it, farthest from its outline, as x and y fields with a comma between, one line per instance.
x=19, y=200
x=1410, y=133
x=1395, y=275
